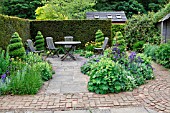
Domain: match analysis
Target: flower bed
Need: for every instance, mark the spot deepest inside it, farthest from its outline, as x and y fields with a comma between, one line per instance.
x=115, y=71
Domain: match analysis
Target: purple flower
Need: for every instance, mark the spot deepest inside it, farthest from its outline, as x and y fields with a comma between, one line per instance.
x=3, y=77
x=114, y=49
x=132, y=56
x=97, y=60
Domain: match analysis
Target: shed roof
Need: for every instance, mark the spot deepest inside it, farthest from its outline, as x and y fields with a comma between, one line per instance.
x=165, y=18
x=115, y=16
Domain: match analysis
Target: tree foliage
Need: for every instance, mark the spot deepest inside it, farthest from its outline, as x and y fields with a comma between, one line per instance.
x=64, y=9
x=129, y=6
x=21, y=8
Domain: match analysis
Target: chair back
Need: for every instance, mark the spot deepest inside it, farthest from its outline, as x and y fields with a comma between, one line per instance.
x=31, y=45
x=68, y=38
x=50, y=43
x=105, y=43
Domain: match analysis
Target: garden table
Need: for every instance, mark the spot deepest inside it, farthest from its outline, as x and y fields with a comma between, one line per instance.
x=68, y=52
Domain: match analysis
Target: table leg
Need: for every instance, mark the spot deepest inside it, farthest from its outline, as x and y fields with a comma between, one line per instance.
x=68, y=53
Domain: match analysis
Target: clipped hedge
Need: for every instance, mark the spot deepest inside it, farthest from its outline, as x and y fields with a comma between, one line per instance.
x=81, y=30
x=9, y=25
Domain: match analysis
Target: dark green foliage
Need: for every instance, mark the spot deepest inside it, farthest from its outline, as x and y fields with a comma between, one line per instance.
x=39, y=41
x=81, y=30
x=4, y=61
x=141, y=28
x=163, y=55
x=9, y=25
x=150, y=50
x=15, y=47
x=21, y=8
x=129, y=6
x=138, y=46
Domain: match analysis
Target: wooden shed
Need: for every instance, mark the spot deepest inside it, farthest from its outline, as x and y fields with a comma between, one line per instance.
x=115, y=16
x=164, y=25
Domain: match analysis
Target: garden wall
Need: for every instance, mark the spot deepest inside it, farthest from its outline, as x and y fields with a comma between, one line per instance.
x=81, y=30
x=9, y=25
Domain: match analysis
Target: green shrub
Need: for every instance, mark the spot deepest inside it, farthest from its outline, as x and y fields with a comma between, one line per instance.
x=26, y=81
x=39, y=41
x=138, y=46
x=141, y=28
x=9, y=25
x=16, y=48
x=163, y=55
x=150, y=50
x=107, y=76
x=4, y=61
x=120, y=41
x=117, y=72
x=45, y=69
x=117, y=28
x=99, y=38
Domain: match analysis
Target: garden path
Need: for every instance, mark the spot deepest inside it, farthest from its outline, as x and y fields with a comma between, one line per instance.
x=67, y=91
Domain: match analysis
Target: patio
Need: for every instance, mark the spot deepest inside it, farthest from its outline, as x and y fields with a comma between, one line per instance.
x=68, y=91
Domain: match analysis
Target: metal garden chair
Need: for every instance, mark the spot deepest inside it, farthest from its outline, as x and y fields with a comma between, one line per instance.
x=31, y=47
x=52, y=49
x=101, y=50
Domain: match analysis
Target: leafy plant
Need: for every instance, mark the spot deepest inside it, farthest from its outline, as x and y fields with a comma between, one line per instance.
x=39, y=41
x=87, y=54
x=150, y=50
x=16, y=48
x=26, y=81
x=163, y=55
x=107, y=76
x=138, y=46
x=45, y=70
x=4, y=61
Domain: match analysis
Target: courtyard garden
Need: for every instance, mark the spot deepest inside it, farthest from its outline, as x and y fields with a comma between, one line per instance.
x=136, y=58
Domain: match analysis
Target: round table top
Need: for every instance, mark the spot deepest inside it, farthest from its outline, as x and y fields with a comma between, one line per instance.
x=68, y=42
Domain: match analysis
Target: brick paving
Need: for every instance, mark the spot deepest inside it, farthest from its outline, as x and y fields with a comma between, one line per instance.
x=154, y=95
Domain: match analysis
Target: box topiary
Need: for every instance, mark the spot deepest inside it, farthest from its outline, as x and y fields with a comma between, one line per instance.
x=119, y=41
x=16, y=48
x=99, y=38
x=39, y=41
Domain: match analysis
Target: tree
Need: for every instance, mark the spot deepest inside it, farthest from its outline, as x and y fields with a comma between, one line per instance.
x=129, y=6
x=21, y=8
x=64, y=9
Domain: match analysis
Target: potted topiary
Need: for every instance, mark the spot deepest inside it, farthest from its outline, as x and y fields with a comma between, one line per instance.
x=16, y=48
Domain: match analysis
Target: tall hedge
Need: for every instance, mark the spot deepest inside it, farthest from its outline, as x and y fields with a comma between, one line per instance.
x=9, y=25
x=81, y=30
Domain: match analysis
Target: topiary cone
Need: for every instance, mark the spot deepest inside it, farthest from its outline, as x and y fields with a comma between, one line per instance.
x=39, y=41
x=99, y=38
x=16, y=48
